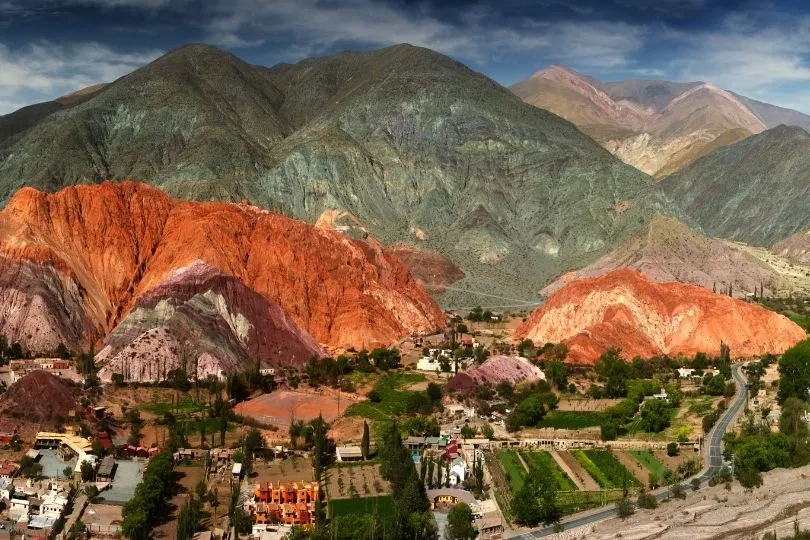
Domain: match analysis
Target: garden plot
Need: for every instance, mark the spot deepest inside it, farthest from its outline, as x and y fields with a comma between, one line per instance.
x=603, y=467
x=353, y=481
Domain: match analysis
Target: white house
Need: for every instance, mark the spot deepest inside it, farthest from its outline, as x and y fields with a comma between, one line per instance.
x=685, y=373
x=267, y=371
x=458, y=472
x=428, y=363
x=348, y=453
x=459, y=410
x=53, y=505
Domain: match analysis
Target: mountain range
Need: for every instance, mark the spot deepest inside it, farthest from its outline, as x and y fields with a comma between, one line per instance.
x=657, y=126
x=401, y=143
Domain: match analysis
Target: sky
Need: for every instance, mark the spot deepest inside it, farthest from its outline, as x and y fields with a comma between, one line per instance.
x=49, y=48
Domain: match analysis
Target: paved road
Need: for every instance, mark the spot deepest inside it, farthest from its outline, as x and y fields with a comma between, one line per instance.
x=714, y=455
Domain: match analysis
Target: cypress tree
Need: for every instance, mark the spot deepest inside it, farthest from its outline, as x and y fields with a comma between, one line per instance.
x=364, y=446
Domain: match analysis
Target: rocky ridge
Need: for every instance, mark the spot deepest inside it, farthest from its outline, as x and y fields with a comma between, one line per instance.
x=79, y=262
x=626, y=310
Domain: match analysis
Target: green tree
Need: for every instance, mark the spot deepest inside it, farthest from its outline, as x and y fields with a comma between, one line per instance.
x=88, y=471
x=535, y=502
x=624, y=508
x=459, y=523
x=794, y=372
x=655, y=415
x=615, y=371
x=557, y=372
x=365, y=444
x=254, y=441
x=673, y=449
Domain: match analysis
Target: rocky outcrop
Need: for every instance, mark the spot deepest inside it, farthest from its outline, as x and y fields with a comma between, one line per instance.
x=511, y=369
x=202, y=322
x=40, y=397
x=626, y=310
x=432, y=271
x=86, y=257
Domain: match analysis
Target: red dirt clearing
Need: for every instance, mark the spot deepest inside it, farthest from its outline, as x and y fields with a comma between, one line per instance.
x=281, y=407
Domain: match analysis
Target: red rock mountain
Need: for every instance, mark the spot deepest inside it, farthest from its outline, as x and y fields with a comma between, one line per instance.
x=73, y=265
x=644, y=318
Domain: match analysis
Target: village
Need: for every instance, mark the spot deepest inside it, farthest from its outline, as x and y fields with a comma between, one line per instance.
x=245, y=460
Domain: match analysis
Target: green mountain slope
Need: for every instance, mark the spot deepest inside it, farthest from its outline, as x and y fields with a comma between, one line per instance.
x=416, y=147
x=756, y=190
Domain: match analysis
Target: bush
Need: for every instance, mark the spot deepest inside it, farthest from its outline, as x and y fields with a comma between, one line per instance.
x=647, y=501
x=695, y=484
x=374, y=396
x=624, y=508
x=673, y=449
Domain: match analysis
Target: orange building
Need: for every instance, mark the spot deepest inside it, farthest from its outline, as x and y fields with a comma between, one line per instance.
x=291, y=504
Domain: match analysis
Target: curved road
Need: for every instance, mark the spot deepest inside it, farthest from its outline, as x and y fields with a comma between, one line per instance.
x=713, y=452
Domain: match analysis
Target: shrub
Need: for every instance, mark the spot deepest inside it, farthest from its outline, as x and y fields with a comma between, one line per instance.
x=673, y=449
x=374, y=396
x=624, y=508
x=647, y=501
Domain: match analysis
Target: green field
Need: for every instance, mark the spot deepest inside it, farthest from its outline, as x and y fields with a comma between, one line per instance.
x=513, y=468
x=605, y=469
x=393, y=396
x=186, y=405
x=382, y=506
x=650, y=462
x=571, y=420
x=542, y=464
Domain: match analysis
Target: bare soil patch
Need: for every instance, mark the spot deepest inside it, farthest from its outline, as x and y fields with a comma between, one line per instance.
x=636, y=469
x=282, y=407
x=586, y=405
x=187, y=478
x=581, y=475
x=292, y=469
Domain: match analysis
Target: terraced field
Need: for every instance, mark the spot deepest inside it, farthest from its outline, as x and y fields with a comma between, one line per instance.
x=542, y=464
x=605, y=469
x=650, y=462
x=513, y=469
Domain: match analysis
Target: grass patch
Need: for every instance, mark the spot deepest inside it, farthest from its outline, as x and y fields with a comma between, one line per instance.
x=571, y=420
x=513, y=469
x=392, y=397
x=650, y=462
x=543, y=465
x=187, y=405
x=382, y=507
x=611, y=473
x=700, y=406
x=591, y=468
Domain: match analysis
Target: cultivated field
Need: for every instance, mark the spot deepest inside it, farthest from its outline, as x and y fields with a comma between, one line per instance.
x=394, y=389
x=603, y=466
x=351, y=481
x=572, y=420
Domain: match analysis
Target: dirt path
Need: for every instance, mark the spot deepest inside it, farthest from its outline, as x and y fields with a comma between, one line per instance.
x=523, y=462
x=567, y=470
x=578, y=474
x=636, y=469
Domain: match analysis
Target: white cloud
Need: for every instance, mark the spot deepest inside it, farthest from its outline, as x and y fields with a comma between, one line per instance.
x=44, y=70
x=750, y=55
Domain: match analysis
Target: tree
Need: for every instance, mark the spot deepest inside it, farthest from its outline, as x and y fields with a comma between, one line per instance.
x=673, y=449
x=535, y=502
x=467, y=432
x=88, y=471
x=794, y=372
x=434, y=392
x=364, y=445
x=655, y=416
x=624, y=508
x=611, y=367
x=374, y=396
x=459, y=523
x=557, y=372
x=487, y=432
x=647, y=501
x=253, y=441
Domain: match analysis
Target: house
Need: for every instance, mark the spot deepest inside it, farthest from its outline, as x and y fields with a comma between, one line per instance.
x=449, y=496
x=236, y=471
x=53, y=505
x=6, y=489
x=7, y=470
x=291, y=504
x=271, y=532
x=348, y=453
x=458, y=410
x=415, y=443
x=458, y=472
x=18, y=505
x=267, y=371
x=106, y=469
x=685, y=373
x=428, y=363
